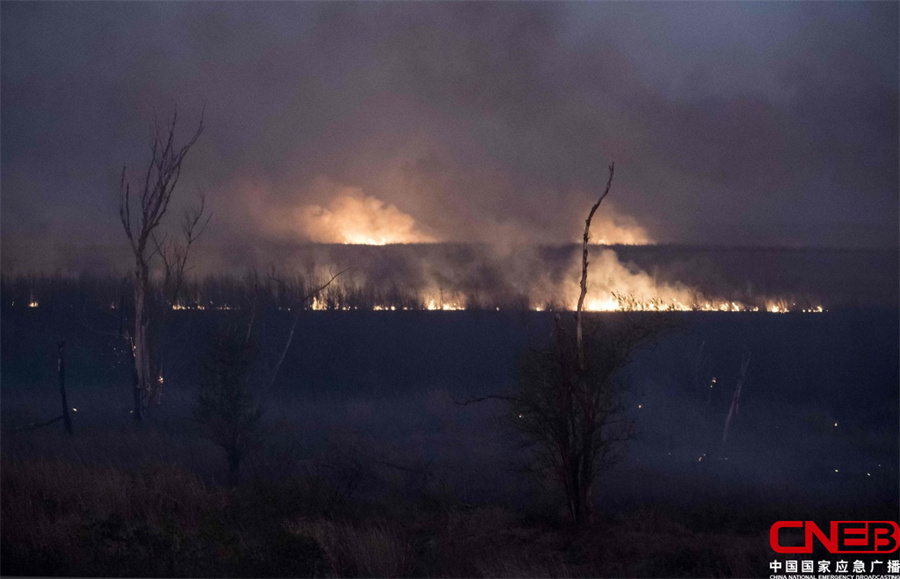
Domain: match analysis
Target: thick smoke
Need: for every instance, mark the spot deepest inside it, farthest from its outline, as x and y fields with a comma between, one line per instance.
x=731, y=124
x=479, y=276
x=355, y=218
x=328, y=212
x=347, y=215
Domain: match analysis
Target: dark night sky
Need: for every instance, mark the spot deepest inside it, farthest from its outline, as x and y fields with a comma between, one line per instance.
x=731, y=124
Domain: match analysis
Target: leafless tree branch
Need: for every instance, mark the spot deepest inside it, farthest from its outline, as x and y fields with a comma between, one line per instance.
x=584, y=268
x=150, y=206
x=468, y=401
x=290, y=338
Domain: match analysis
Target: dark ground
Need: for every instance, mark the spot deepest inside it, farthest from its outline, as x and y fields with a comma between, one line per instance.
x=363, y=405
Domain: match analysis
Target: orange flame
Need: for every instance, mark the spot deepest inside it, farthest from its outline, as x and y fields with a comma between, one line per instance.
x=355, y=218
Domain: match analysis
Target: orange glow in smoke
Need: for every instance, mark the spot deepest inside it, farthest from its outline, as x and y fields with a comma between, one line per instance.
x=355, y=218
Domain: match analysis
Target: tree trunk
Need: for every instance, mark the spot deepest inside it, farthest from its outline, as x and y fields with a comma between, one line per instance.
x=140, y=218
x=584, y=468
x=574, y=494
x=234, y=467
x=139, y=346
x=61, y=369
x=585, y=488
x=579, y=337
x=138, y=411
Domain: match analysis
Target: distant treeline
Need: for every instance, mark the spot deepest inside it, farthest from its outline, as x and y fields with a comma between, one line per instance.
x=253, y=290
x=469, y=276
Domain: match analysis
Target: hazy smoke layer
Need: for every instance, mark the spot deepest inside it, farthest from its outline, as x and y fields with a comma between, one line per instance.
x=349, y=217
x=474, y=275
x=330, y=212
x=451, y=276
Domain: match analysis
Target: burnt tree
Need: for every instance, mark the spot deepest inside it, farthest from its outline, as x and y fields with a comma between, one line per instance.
x=225, y=406
x=567, y=406
x=142, y=209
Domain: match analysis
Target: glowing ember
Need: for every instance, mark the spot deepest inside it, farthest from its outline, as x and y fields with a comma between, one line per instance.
x=444, y=306
x=598, y=302
x=613, y=286
x=616, y=303
x=608, y=305
x=199, y=306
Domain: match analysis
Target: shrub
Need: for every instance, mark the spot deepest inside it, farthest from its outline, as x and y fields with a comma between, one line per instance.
x=225, y=406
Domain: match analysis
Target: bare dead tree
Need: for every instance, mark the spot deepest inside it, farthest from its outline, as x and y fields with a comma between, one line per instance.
x=61, y=376
x=579, y=332
x=736, y=397
x=573, y=420
x=61, y=372
x=174, y=251
x=567, y=405
x=141, y=211
x=296, y=320
x=252, y=278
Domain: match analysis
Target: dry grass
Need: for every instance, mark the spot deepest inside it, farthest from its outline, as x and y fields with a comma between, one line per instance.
x=59, y=517
x=370, y=549
x=159, y=520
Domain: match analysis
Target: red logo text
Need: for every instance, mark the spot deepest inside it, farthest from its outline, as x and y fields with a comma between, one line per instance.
x=842, y=536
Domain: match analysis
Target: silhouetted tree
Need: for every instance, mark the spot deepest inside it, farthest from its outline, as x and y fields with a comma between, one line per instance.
x=141, y=212
x=225, y=406
x=568, y=402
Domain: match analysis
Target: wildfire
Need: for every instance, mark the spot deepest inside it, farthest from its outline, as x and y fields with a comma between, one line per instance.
x=613, y=286
x=322, y=305
x=595, y=302
x=188, y=307
x=361, y=239
x=614, y=228
x=351, y=217
x=199, y=306
x=444, y=306
x=611, y=303
x=616, y=304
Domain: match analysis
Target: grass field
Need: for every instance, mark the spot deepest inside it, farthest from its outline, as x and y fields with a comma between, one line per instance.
x=367, y=468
